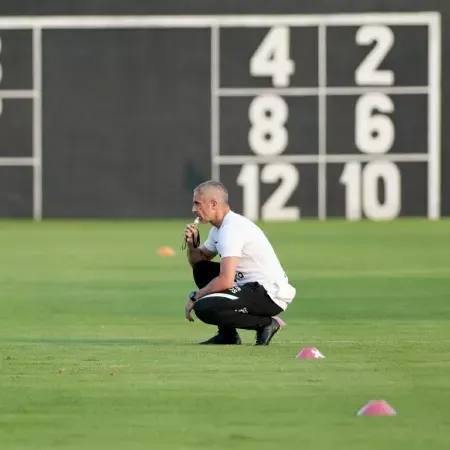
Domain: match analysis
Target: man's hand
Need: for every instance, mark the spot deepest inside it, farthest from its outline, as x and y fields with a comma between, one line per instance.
x=191, y=234
x=187, y=310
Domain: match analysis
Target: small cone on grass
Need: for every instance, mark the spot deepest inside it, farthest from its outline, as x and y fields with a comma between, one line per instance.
x=310, y=353
x=377, y=408
x=166, y=251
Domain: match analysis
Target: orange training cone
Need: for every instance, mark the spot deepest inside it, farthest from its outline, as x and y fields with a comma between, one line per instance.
x=166, y=251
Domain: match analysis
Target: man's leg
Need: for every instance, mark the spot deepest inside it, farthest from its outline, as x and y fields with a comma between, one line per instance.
x=248, y=308
x=204, y=272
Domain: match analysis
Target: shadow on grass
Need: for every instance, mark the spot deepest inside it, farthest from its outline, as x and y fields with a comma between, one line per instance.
x=106, y=341
x=96, y=341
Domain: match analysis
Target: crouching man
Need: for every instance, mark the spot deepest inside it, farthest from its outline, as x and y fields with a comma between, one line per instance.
x=248, y=287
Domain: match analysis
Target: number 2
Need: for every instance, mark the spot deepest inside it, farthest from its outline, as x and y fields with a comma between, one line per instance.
x=368, y=72
x=274, y=208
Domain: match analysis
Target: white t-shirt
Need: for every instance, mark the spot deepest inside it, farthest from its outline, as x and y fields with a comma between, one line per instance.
x=239, y=236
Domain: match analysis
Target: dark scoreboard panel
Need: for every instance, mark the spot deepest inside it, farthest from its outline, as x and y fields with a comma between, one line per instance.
x=300, y=116
x=330, y=119
x=16, y=124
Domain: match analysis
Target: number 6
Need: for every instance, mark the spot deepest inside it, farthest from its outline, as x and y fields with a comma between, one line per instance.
x=374, y=133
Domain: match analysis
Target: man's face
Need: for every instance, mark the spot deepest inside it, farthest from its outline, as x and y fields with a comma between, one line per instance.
x=203, y=206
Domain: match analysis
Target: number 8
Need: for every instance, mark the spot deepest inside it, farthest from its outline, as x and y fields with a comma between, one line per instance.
x=268, y=135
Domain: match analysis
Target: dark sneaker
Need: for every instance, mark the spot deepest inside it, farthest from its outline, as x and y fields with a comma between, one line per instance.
x=265, y=334
x=223, y=339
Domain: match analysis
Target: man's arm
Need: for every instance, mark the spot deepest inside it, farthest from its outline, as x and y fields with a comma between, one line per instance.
x=198, y=254
x=194, y=253
x=232, y=242
x=224, y=280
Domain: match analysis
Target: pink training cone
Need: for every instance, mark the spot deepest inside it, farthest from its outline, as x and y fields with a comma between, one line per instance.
x=377, y=408
x=310, y=353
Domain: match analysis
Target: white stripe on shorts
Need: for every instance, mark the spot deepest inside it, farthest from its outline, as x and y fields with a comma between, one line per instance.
x=219, y=294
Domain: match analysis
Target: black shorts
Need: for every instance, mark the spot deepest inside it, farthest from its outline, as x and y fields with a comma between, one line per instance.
x=248, y=306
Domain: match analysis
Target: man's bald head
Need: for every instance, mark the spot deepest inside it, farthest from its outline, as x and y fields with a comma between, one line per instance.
x=213, y=190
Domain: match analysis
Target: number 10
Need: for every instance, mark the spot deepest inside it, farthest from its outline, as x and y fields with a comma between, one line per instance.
x=362, y=190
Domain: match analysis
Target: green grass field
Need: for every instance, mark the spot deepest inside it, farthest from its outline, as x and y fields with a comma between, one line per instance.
x=95, y=352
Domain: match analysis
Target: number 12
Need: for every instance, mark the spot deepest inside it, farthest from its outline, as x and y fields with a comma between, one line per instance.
x=274, y=208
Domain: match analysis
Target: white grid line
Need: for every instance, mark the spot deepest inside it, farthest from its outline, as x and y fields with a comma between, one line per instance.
x=215, y=102
x=322, y=123
x=17, y=94
x=16, y=161
x=314, y=159
x=37, y=124
x=327, y=90
x=247, y=21
x=434, y=118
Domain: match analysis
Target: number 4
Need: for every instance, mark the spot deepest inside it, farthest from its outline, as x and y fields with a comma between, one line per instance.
x=272, y=57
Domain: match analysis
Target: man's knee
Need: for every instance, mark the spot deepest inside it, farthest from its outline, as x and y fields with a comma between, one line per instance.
x=204, y=311
x=204, y=272
x=201, y=267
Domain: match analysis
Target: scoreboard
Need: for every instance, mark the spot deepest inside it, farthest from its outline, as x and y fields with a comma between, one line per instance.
x=305, y=130
x=312, y=116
